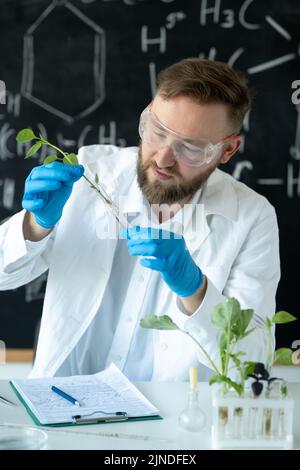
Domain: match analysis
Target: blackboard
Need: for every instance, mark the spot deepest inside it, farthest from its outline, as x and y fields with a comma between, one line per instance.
x=81, y=71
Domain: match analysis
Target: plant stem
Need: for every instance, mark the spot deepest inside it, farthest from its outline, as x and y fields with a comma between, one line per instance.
x=96, y=187
x=65, y=155
x=269, y=354
x=228, y=351
x=204, y=352
x=54, y=147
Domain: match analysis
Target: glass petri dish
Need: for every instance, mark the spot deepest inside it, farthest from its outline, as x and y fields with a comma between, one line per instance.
x=21, y=438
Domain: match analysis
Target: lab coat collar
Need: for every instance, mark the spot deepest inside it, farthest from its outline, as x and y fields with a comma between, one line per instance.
x=216, y=197
x=219, y=198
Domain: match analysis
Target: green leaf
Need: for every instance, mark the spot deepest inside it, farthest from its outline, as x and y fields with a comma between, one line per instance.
x=237, y=387
x=243, y=321
x=163, y=322
x=240, y=353
x=236, y=360
x=51, y=158
x=216, y=379
x=25, y=135
x=71, y=159
x=222, y=379
x=96, y=178
x=218, y=317
x=226, y=313
x=33, y=149
x=247, y=369
x=283, y=356
x=283, y=390
x=247, y=333
x=223, y=345
x=283, y=317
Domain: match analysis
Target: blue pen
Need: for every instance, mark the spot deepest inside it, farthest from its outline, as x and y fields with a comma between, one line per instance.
x=65, y=395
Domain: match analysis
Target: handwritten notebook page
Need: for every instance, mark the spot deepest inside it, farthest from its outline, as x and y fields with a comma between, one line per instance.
x=107, y=391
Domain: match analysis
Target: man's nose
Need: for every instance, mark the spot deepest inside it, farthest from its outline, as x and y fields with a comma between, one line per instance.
x=165, y=157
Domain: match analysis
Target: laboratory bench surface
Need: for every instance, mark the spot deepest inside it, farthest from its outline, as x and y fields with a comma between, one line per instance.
x=169, y=398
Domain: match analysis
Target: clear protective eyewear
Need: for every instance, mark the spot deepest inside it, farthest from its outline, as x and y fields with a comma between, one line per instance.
x=192, y=152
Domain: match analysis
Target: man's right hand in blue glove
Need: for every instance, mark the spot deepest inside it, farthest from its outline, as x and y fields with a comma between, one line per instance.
x=47, y=189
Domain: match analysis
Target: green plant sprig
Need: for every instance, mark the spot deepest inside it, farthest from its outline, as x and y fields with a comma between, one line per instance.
x=233, y=324
x=27, y=135
x=282, y=355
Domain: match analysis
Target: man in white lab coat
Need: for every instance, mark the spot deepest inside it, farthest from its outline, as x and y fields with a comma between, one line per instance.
x=101, y=284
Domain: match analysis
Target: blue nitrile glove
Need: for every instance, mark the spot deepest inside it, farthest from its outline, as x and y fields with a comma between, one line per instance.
x=171, y=257
x=47, y=189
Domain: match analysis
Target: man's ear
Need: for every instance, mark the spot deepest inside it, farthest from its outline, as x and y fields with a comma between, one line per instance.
x=231, y=148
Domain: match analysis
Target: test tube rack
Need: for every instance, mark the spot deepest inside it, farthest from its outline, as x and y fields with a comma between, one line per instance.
x=251, y=423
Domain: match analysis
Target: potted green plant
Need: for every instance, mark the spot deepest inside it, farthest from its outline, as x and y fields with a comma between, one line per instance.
x=247, y=401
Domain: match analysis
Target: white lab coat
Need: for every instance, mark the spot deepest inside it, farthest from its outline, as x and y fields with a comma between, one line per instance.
x=236, y=246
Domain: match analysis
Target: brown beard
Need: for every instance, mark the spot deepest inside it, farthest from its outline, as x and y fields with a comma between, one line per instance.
x=158, y=193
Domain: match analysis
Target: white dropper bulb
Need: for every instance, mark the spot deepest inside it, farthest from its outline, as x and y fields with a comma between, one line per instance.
x=193, y=377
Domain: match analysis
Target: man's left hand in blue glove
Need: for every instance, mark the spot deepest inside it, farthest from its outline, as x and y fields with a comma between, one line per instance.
x=170, y=257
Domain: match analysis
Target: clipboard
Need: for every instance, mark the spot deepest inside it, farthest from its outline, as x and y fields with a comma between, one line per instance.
x=79, y=419
x=82, y=422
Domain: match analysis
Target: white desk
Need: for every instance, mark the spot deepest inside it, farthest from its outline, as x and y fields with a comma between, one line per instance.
x=169, y=398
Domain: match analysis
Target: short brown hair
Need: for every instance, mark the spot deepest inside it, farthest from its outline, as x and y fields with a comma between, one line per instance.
x=207, y=81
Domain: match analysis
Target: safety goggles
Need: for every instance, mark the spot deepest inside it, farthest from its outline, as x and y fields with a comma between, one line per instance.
x=190, y=152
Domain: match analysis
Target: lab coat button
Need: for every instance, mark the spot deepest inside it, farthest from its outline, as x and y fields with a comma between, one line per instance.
x=163, y=346
x=141, y=279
